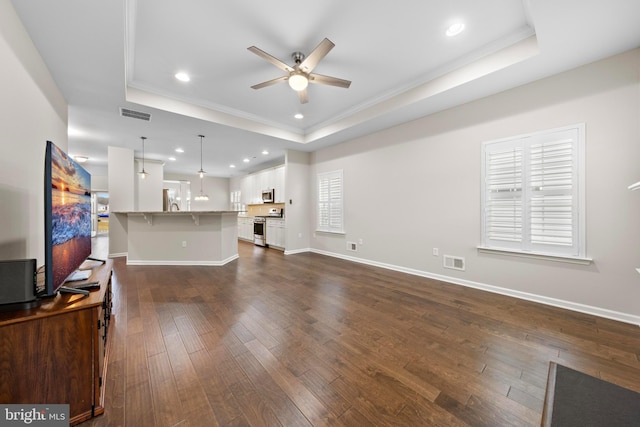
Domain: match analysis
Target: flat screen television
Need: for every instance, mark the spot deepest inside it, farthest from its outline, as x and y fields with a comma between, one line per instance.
x=67, y=217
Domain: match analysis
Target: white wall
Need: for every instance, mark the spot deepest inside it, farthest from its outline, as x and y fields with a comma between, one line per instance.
x=121, y=179
x=416, y=187
x=148, y=190
x=99, y=183
x=32, y=111
x=121, y=197
x=297, y=209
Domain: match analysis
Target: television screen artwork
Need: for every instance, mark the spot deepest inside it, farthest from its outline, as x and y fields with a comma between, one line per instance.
x=67, y=216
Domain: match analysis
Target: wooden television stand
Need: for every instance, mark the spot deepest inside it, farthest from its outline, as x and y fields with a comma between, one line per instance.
x=57, y=352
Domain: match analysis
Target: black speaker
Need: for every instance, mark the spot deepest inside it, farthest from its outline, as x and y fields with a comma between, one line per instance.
x=17, y=283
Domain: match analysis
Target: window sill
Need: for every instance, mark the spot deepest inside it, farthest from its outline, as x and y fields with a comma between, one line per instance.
x=558, y=258
x=331, y=232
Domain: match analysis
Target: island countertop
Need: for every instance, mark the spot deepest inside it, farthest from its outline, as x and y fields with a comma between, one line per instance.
x=195, y=215
x=176, y=212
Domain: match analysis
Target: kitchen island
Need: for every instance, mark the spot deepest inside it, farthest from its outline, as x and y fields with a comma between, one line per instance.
x=182, y=238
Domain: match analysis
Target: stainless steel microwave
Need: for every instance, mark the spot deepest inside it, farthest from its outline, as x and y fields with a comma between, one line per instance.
x=267, y=196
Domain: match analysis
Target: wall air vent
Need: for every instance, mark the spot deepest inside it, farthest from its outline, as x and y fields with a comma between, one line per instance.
x=455, y=263
x=352, y=246
x=125, y=112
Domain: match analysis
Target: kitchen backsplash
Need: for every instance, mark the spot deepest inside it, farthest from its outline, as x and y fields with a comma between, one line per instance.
x=263, y=209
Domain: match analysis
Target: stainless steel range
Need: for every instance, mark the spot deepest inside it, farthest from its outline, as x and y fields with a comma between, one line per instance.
x=259, y=230
x=260, y=226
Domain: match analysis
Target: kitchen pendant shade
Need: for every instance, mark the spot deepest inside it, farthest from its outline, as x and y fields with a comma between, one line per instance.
x=202, y=196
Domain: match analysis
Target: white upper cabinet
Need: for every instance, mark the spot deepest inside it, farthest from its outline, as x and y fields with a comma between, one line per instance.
x=278, y=184
x=262, y=179
x=251, y=186
x=245, y=190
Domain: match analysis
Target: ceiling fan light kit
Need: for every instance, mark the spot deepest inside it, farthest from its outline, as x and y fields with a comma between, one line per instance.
x=300, y=75
x=298, y=81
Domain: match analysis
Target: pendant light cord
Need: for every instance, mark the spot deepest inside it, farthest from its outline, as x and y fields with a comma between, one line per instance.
x=143, y=172
x=201, y=136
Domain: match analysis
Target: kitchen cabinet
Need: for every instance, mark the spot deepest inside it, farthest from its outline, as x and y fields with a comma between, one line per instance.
x=244, y=191
x=262, y=181
x=278, y=184
x=275, y=232
x=245, y=228
x=251, y=186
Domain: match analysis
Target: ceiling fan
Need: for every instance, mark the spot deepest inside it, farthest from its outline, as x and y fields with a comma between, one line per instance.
x=300, y=74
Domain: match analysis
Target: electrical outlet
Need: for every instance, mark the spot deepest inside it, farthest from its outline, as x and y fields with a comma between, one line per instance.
x=184, y=243
x=436, y=251
x=360, y=241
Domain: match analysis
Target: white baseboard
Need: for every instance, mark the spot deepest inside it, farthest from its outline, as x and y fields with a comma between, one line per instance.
x=297, y=251
x=569, y=305
x=118, y=255
x=161, y=262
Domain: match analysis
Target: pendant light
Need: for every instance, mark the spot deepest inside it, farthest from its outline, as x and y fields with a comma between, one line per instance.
x=143, y=173
x=201, y=197
x=201, y=171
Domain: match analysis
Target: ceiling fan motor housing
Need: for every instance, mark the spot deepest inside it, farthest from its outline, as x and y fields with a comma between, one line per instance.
x=298, y=57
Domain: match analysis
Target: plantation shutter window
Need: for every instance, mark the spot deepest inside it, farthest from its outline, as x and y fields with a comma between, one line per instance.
x=330, y=202
x=532, y=193
x=503, y=206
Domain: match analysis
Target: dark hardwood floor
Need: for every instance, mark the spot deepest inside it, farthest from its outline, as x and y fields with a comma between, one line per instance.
x=299, y=340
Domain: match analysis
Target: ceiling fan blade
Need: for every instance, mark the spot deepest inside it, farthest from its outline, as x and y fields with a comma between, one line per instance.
x=304, y=96
x=316, y=55
x=275, y=61
x=327, y=80
x=270, y=82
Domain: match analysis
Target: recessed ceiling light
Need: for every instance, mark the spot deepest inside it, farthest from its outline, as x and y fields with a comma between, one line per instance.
x=179, y=150
x=455, y=29
x=173, y=159
x=246, y=160
x=299, y=116
x=232, y=166
x=265, y=152
x=81, y=159
x=183, y=77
